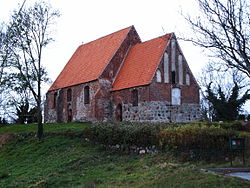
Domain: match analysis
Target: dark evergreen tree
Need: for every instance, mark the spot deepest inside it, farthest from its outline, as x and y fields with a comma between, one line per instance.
x=226, y=108
x=22, y=112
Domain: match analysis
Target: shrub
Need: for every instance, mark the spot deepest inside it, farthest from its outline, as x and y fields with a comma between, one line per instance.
x=199, y=140
x=124, y=134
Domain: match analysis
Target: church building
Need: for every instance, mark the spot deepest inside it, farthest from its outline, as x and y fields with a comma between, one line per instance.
x=120, y=78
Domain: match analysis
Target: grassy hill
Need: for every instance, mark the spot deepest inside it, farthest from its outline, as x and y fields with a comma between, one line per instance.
x=65, y=159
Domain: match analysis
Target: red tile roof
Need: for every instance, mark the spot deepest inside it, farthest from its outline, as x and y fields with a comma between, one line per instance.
x=141, y=63
x=90, y=60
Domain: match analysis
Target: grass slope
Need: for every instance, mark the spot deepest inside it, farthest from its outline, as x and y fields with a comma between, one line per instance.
x=60, y=161
x=49, y=127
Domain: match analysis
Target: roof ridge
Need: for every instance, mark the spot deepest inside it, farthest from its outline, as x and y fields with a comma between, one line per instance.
x=76, y=63
x=155, y=38
x=130, y=28
x=106, y=35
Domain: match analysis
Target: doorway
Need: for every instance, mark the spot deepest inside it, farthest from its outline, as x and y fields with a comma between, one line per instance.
x=119, y=112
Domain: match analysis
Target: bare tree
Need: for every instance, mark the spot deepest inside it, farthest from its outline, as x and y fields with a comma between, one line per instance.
x=223, y=26
x=29, y=33
x=6, y=89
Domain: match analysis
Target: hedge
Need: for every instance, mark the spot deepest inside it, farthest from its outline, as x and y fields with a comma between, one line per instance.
x=127, y=134
x=196, y=138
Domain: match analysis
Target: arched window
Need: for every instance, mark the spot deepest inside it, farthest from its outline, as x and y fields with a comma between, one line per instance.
x=86, y=95
x=158, y=76
x=135, y=97
x=54, y=101
x=188, y=79
x=69, y=95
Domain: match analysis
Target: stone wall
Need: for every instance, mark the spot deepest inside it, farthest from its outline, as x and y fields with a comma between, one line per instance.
x=161, y=111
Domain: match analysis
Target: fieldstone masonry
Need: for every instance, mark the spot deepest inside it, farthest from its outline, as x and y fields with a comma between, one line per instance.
x=161, y=111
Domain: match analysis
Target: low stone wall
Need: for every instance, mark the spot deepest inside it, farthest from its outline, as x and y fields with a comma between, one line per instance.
x=161, y=111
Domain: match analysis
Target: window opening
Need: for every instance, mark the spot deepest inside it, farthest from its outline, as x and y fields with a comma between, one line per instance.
x=119, y=112
x=54, y=102
x=173, y=77
x=135, y=97
x=69, y=95
x=86, y=95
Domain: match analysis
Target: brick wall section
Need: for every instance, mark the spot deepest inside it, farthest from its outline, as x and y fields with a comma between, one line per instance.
x=80, y=111
x=155, y=104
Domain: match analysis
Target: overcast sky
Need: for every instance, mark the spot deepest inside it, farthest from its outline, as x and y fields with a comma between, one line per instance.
x=82, y=21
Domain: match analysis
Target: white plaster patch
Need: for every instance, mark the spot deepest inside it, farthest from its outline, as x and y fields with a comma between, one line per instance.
x=166, y=68
x=158, y=76
x=173, y=54
x=180, y=66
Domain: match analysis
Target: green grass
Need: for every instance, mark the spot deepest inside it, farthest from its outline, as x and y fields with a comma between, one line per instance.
x=60, y=161
x=49, y=127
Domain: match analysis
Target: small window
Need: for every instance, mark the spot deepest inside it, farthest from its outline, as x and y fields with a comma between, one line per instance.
x=135, y=97
x=69, y=95
x=54, y=101
x=86, y=95
x=173, y=77
x=158, y=76
x=188, y=79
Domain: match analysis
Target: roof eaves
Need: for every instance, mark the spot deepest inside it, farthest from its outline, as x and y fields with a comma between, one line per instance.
x=51, y=89
x=113, y=90
x=73, y=85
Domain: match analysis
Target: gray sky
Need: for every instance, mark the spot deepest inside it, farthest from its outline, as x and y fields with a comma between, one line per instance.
x=82, y=21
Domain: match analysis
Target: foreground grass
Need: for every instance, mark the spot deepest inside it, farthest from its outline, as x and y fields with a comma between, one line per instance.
x=49, y=127
x=60, y=161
